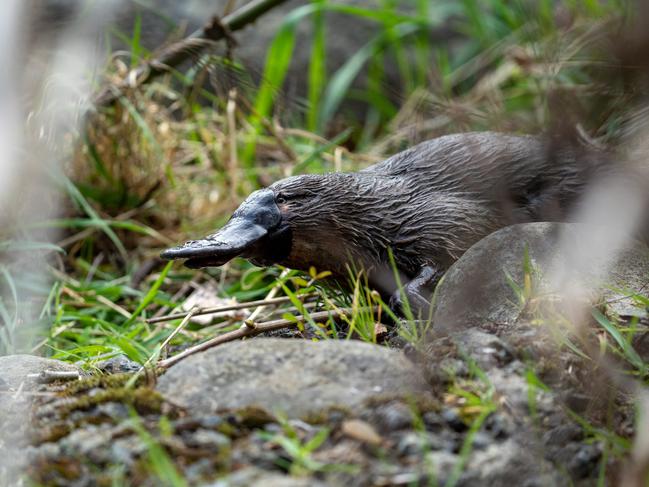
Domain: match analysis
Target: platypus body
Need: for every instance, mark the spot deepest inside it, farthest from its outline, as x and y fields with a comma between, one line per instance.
x=427, y=205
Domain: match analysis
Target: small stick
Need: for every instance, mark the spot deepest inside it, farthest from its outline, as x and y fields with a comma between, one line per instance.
x=253, y=316
x=225, y=324
x=131, y=382
x=182, y=325
x=247, y=331
x=180, y=293
x=47, y=376
x=230, y=307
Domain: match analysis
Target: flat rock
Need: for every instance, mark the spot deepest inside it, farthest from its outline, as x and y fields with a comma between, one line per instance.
x=18, y=375
x=256, y=476
x=476, y=291
x=18, y=369
x=295, y=377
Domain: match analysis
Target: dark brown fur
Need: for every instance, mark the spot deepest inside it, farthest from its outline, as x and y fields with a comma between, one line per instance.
x=429, y=203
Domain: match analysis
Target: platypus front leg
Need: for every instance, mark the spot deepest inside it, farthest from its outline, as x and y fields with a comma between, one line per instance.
x=419, y=293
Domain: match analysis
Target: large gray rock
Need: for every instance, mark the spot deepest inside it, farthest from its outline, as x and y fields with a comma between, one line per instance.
x=25, y=369
x=295, y=377
x=19, y=374
x=256, y=476
x=476, y=291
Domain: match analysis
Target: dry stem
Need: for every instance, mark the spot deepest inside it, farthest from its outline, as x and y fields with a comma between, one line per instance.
x=248, y=331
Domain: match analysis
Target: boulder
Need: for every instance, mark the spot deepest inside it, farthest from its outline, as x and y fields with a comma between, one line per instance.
x=295, y=377
x=480, y=288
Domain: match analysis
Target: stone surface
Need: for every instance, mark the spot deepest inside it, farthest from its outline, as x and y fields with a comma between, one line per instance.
x=16, y=369
x=18, y=377
x=295, y=377
x=509, y=450
x=475, y=291
x=256, y=476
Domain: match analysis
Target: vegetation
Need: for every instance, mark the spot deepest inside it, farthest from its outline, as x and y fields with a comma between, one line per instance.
x=171, y=160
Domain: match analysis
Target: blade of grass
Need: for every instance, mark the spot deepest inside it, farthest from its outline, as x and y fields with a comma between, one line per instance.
x=150, y=295
x=317, y=68
x=342, y=80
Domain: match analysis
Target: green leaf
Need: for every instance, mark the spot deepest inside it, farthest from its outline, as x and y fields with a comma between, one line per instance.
x=629, y=352
x=150, y=295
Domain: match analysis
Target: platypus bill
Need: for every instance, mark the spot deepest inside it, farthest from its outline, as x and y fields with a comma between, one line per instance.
x=427, y=204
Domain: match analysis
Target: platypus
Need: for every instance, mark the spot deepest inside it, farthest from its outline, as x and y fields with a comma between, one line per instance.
x=425, y=206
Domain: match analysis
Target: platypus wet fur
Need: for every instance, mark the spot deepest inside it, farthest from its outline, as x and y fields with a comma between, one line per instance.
x=428, y=204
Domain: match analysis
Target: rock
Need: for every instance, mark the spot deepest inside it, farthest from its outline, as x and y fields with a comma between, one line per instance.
x=256, y=476
x=453, y=420
x=417, y=443
x=18, y=369
x=486, y=349
x=361, y=431
x=508, y=464
x=296, y=377
x=392, y=416
x=120, y=364
x=19, y=374
x=475, y=290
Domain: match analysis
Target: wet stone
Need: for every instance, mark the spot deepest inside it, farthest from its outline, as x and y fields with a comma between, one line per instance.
x=498, y=426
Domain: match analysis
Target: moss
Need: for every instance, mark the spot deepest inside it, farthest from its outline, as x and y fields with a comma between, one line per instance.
x=421, y=403
x=254, y=417
x=100, y=381
x=143, y=399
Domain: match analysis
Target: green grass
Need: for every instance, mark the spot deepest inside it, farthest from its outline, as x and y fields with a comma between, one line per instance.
x=141, y=175
x=159, y=167
x=297, y=458
x=140, y=178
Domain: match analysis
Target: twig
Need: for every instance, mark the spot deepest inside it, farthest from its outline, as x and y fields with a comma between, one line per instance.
x=225, y=324
x=271, y=294
x=47, y=376
x=180, y=51
x=154, y=356
x=107, y=302
x=230, y=307
x=247, y=331
x=182, y=325
x=180, y=293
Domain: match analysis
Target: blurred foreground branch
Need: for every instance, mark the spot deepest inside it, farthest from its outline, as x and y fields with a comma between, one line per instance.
x=216, y=30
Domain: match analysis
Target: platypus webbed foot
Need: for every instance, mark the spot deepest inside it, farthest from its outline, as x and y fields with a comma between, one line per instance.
x=418, y=292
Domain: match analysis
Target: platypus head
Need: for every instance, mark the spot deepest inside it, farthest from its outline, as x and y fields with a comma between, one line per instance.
x=292, y=223
x=256, y=231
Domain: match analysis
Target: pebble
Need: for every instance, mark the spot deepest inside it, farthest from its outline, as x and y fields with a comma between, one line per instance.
x=361, y=431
